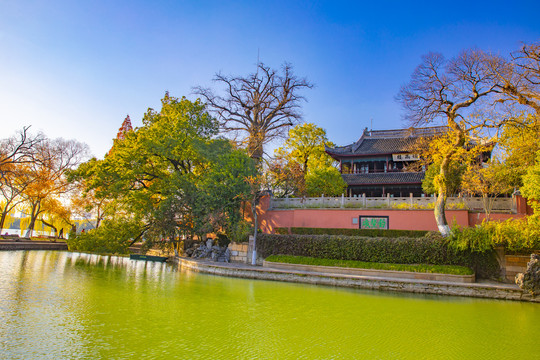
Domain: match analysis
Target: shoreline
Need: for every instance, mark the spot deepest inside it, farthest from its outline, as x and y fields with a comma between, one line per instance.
x=485, y=289
x=478, y=290
x=10, y=245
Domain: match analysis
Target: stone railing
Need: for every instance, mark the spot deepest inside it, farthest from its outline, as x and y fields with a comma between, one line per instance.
x=388, y=202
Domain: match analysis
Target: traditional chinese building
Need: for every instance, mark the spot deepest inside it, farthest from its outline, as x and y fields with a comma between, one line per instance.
x=379, y=162
x=121, y=135
x=125, y=128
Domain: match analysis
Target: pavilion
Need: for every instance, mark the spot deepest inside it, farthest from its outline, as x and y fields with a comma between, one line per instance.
x=381, y=162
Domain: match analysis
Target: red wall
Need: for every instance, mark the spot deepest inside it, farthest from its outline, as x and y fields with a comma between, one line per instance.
x=343, y=218
x=477, y=218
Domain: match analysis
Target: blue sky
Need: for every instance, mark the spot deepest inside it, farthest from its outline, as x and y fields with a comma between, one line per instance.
x=74, y=69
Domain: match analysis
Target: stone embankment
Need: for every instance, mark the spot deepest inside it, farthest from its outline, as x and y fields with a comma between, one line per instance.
x=32, y=245
x=372, y=272
x=480, y=290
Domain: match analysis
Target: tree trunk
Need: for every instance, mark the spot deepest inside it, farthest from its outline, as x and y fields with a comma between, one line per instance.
x=486, y=199
x=440, y=215
x=7, y=208
x=255, y=145
x=440, y=205
x=33, y=216
x=442, y=180
x=51, y=226
x=30, y=229
x=3, y=219
x=255, y=226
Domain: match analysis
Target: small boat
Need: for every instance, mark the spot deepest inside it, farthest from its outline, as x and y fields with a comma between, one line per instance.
x=147, y=257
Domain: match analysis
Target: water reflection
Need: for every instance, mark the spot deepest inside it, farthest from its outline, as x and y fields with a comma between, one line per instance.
x=71, y=305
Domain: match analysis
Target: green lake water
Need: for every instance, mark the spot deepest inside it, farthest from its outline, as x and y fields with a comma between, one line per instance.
x=61, y=305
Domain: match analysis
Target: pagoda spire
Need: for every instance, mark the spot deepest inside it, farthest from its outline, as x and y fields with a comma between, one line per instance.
x=126, y=127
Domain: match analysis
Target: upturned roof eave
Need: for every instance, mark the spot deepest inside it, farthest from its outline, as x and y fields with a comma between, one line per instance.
x=410, y=133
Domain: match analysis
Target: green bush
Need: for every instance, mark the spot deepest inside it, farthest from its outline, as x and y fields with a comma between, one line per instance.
x=112, y=237
x=281, y=231
x=516, y=236
x=430, y=249
x=222, y=240
x=240, y=231
x=353, y=232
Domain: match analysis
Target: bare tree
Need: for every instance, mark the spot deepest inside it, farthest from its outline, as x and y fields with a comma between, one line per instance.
x=261, y=106
x=13, y=186
x=447, y=91
x=520, y=78
x=52, y=159
x=16, y=153
x=18, y=149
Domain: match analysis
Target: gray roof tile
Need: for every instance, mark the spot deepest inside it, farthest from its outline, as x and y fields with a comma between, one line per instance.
x=384, y=178
x=385, y=141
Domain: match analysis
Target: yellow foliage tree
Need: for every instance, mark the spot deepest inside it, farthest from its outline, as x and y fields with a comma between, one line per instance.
x=488, y=181
x=52, y=159
x=447, y=91
x=303, y=166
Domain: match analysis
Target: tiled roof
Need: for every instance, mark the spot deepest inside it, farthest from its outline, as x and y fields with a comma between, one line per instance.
x=384, y=178
x=385, y=141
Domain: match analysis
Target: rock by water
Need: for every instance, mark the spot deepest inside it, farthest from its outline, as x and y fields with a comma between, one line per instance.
x=530, y=279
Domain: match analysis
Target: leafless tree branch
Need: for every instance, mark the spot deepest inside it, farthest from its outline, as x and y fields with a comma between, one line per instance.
x=262, y=105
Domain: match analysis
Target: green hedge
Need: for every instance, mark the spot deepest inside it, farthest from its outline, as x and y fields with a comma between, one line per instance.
x=431, y=249
x=352, y=232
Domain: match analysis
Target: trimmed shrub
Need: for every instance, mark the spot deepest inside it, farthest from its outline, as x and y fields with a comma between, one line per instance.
x=354, y=232
x=281, y=231
x=430, y=249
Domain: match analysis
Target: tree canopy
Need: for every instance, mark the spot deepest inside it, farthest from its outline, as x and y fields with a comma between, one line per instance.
x=302, y=167
x=173, y=175
x=446, y=90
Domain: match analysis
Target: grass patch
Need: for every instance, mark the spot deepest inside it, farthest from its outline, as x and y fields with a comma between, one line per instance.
x=421, y=268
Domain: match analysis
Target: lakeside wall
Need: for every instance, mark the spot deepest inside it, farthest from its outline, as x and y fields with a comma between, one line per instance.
x=347, y=218
x=480, y=290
